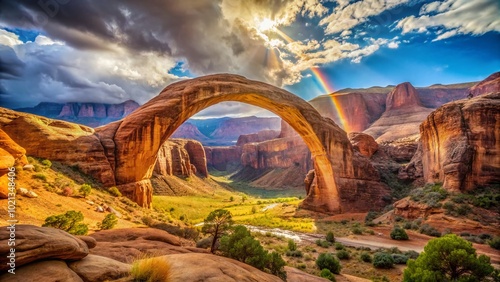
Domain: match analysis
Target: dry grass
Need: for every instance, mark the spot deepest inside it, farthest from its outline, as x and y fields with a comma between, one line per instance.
x=151, y=269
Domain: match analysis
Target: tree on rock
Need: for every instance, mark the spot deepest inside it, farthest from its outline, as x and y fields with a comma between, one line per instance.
x=449, y=258
x=217, y=224
x=69, y=222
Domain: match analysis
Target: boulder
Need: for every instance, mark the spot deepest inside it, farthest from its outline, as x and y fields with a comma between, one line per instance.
x=90, y=241
x=37, y=243
x=460, y=144
x=96, y=268
x=401, y=150
x=363, y=143
x=27, y=193
x=208, y=267
x=43, y=271
x=412, y=210
x=11, y=154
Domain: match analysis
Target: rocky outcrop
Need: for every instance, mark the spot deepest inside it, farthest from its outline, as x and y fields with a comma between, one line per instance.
x=222, y=158
x=189, y=131
x=39, y=243
x=231, y=129
x=401, y=150
x=412, y=210
x=47, y=271
x=403, y=115
x=260, y=136
x=489, y=85
x=11, y=155
x=91, y=114
x=181, y=157
x=98, y=268
x=295, y=275
x=414, y=170
x=208, y=267
x=56, y=140
x=460, y=143
x=363, y=143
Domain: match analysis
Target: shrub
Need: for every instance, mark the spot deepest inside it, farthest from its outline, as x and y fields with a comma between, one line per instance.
x=231, y=199
x=429, y=230
x=383, y=260
x=31, y=160
x=47, y=163
x=85, y=190
x=67, y=191
x=204, y=243
x=339, y=246
x=296, y=253
x=40, y=176
x=343, y=254
x=69, y=222
x=114, y=191
x=291, y=245
x=330, y=237
x=254, y=209
x=366, y=257
x=370, y=216
x=495, y=243
x=151, y=269
x=398, y=233
x=326, y=260
x=399, y=259
x=148, y=220
x=411, y=254
x=357, y=230
x=327, y=274
x=109, y=221
x=322, y=243
x=449, y=258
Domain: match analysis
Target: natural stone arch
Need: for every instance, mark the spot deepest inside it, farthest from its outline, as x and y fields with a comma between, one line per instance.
x=138, y=137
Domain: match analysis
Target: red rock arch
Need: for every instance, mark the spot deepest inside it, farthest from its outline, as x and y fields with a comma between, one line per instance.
x=138, y=137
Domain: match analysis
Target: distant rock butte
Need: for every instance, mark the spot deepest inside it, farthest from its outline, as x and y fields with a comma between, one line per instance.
x=489, y=85
x=260, y=136
x=231, y=129
x=189, y=131
x=461, y=145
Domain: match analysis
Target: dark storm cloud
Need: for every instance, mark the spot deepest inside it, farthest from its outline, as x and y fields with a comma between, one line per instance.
x=10, y=65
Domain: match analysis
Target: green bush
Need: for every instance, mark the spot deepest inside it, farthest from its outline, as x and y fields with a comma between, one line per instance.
x=40, y=176
x=411, y=254
x=327, y=274
x=296, y=253
x=399, y=259
x=343, y=254
x=47, y=163
x=114, y=191
x=69, y=222
x=366, y=257
x=383, y=260
x=108, y=222
x=398, y=233
x=292, y=246
x=495, y=243
x=326, y=260
x=449, y=258
x=357, y=230
x=204, y=243
x=429, y=230
x=330, y=237
x=339, y=246
x=85, y=190
x=322, y=243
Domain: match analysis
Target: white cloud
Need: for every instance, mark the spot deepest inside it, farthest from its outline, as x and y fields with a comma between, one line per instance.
x=456, y=17
x=8, y=38
x=393, y=45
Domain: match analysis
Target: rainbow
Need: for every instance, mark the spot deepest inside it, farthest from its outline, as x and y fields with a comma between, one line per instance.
x=328, y=89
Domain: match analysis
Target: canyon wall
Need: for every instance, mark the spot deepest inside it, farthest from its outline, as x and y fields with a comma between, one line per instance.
x=180, y=157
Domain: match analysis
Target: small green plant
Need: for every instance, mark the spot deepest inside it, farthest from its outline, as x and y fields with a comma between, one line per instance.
x=292, y=246
x=47, y=163
x=109, y=221
x=330, y=237
x=114, y=191
x=322, y=243
x=343, y=254
x=398, y=233
x=366, y=257
x=231, y=199
x=326, y=260
x=357, y=230
x=339, y=246
x=69, y=222
x=399, y=258
x=327, y=274
x=151, y=270
x=254, y=209
x=383, y=260
x=495, y=243
x=85, y=190
x=40, y=176
x=429, y=230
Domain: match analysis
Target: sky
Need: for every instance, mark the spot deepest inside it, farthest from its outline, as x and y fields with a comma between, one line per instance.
x=117, y=50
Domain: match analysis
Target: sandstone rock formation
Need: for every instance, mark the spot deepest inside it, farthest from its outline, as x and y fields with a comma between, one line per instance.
x=208, y=267
x=98, y=268
x=47, y=271
x=38, y=243
x=403, y=115
x=56, y=140
x=460, y=143
x=363, y=143
x=260, y=136
x=91, y=114
x=489, y=85
x=401, y=150
x=221, y=158
x=412, y=210
x=189, y=131
x=11, y=155
x=181, y=157
x=231, y=129
x=295, y=275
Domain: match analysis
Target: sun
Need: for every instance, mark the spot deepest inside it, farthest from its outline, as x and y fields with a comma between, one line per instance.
x=266, y=24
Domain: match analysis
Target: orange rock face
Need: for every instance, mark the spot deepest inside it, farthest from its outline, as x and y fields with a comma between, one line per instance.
x=260, y=136
x=181, y=157
x=363, y=143
x=489, y=85
x=461, y=143
x=411, y=210
x=221, y=157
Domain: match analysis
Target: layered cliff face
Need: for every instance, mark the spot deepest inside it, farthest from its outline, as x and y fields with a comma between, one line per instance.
x=189, y=131
x=223, y=158
x=403, y=115
x=11, y=155
x=179, y=157
x=461, y=143
x=260, y=136
x=231, y=129
x=489, y=85
x=91, y=114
